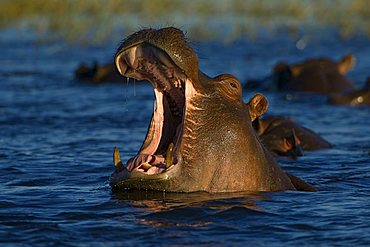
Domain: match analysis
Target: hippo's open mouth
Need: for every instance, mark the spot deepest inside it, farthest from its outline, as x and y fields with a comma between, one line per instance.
x=158, y=152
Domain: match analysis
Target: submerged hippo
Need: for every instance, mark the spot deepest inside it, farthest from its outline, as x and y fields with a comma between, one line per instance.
x=99, y=73
x=354, y=97
x=280, y=141
x=283, y=137
x=319, y=75
x=200, y=137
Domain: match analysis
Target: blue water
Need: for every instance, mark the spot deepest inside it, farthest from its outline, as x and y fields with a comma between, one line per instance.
x=57, y=137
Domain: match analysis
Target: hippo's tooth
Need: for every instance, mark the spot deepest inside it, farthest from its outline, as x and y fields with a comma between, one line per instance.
x=146, y=166
x=121, y=65
x=128, y=59
x=117, y=161
x=163, y=57
x=131, y=56
x=169, y=156
x=178, y=83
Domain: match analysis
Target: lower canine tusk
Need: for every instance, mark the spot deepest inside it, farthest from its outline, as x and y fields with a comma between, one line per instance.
x=169, y=156
x=117, y=161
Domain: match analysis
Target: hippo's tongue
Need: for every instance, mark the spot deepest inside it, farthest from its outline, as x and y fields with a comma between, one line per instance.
x=153, y=160
x=152, y=164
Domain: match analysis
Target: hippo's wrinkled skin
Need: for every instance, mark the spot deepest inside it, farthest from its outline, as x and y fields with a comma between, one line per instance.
x=200, y=137
x=318, y=75
x=283, y=137
x=354, y=97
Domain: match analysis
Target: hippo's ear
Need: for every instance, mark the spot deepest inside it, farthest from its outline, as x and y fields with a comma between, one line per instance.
x=346, y=64
x=292, y=141
x=296, y=70
x=288, y=70
x=257, y=106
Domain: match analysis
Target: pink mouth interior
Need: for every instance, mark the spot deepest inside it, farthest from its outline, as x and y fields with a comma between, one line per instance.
x=146, y=62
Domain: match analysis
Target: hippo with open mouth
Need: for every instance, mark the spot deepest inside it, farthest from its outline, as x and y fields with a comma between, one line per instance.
x=200, y=137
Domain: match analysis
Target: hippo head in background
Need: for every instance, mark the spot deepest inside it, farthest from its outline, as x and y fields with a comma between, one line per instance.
x=319, y=75
x=284, y=137
x=99, y=73
x=200, y=137
x=278, y=140
x=357, y=97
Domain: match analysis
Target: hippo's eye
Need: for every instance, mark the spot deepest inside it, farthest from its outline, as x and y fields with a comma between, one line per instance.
x=232, y=84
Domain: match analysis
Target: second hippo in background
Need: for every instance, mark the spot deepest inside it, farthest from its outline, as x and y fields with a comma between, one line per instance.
x=319, y=75
x=99, y=73
x=354, y=97
x=283, y=137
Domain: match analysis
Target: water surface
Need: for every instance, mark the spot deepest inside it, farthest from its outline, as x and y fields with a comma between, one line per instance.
x=57, y=137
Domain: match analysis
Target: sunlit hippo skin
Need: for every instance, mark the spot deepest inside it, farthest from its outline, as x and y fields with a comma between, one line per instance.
x=354, y=98
x=200, y=137
x=317, y=75
x=283, y=137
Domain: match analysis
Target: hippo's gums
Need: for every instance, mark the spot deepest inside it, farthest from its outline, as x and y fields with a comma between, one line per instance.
x=318, y=75
x=200, y=137
x=283, y=137
x=354, y=97
x=99, y=73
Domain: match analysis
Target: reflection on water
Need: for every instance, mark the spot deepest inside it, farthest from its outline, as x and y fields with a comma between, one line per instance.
x=191, y=209
x=156, y=201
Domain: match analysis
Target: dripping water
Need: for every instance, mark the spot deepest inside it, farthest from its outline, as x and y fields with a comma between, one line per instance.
x=134, y=87
x=125, y=106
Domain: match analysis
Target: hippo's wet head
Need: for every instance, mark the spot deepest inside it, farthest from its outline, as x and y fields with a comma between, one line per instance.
x=200, y=137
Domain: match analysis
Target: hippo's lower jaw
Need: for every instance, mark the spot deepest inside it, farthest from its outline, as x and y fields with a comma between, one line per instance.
x=158, y=154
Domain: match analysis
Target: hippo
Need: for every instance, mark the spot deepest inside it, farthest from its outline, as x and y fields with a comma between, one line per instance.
x=317, y=75
x=99, y=73
x=200, y=137
x=280, y=141
x=354, y=98
x=283, y=137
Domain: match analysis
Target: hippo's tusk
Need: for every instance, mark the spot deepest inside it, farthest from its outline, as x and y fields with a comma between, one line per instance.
x=117, y=161
x=146, y=166
x=169, y=156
